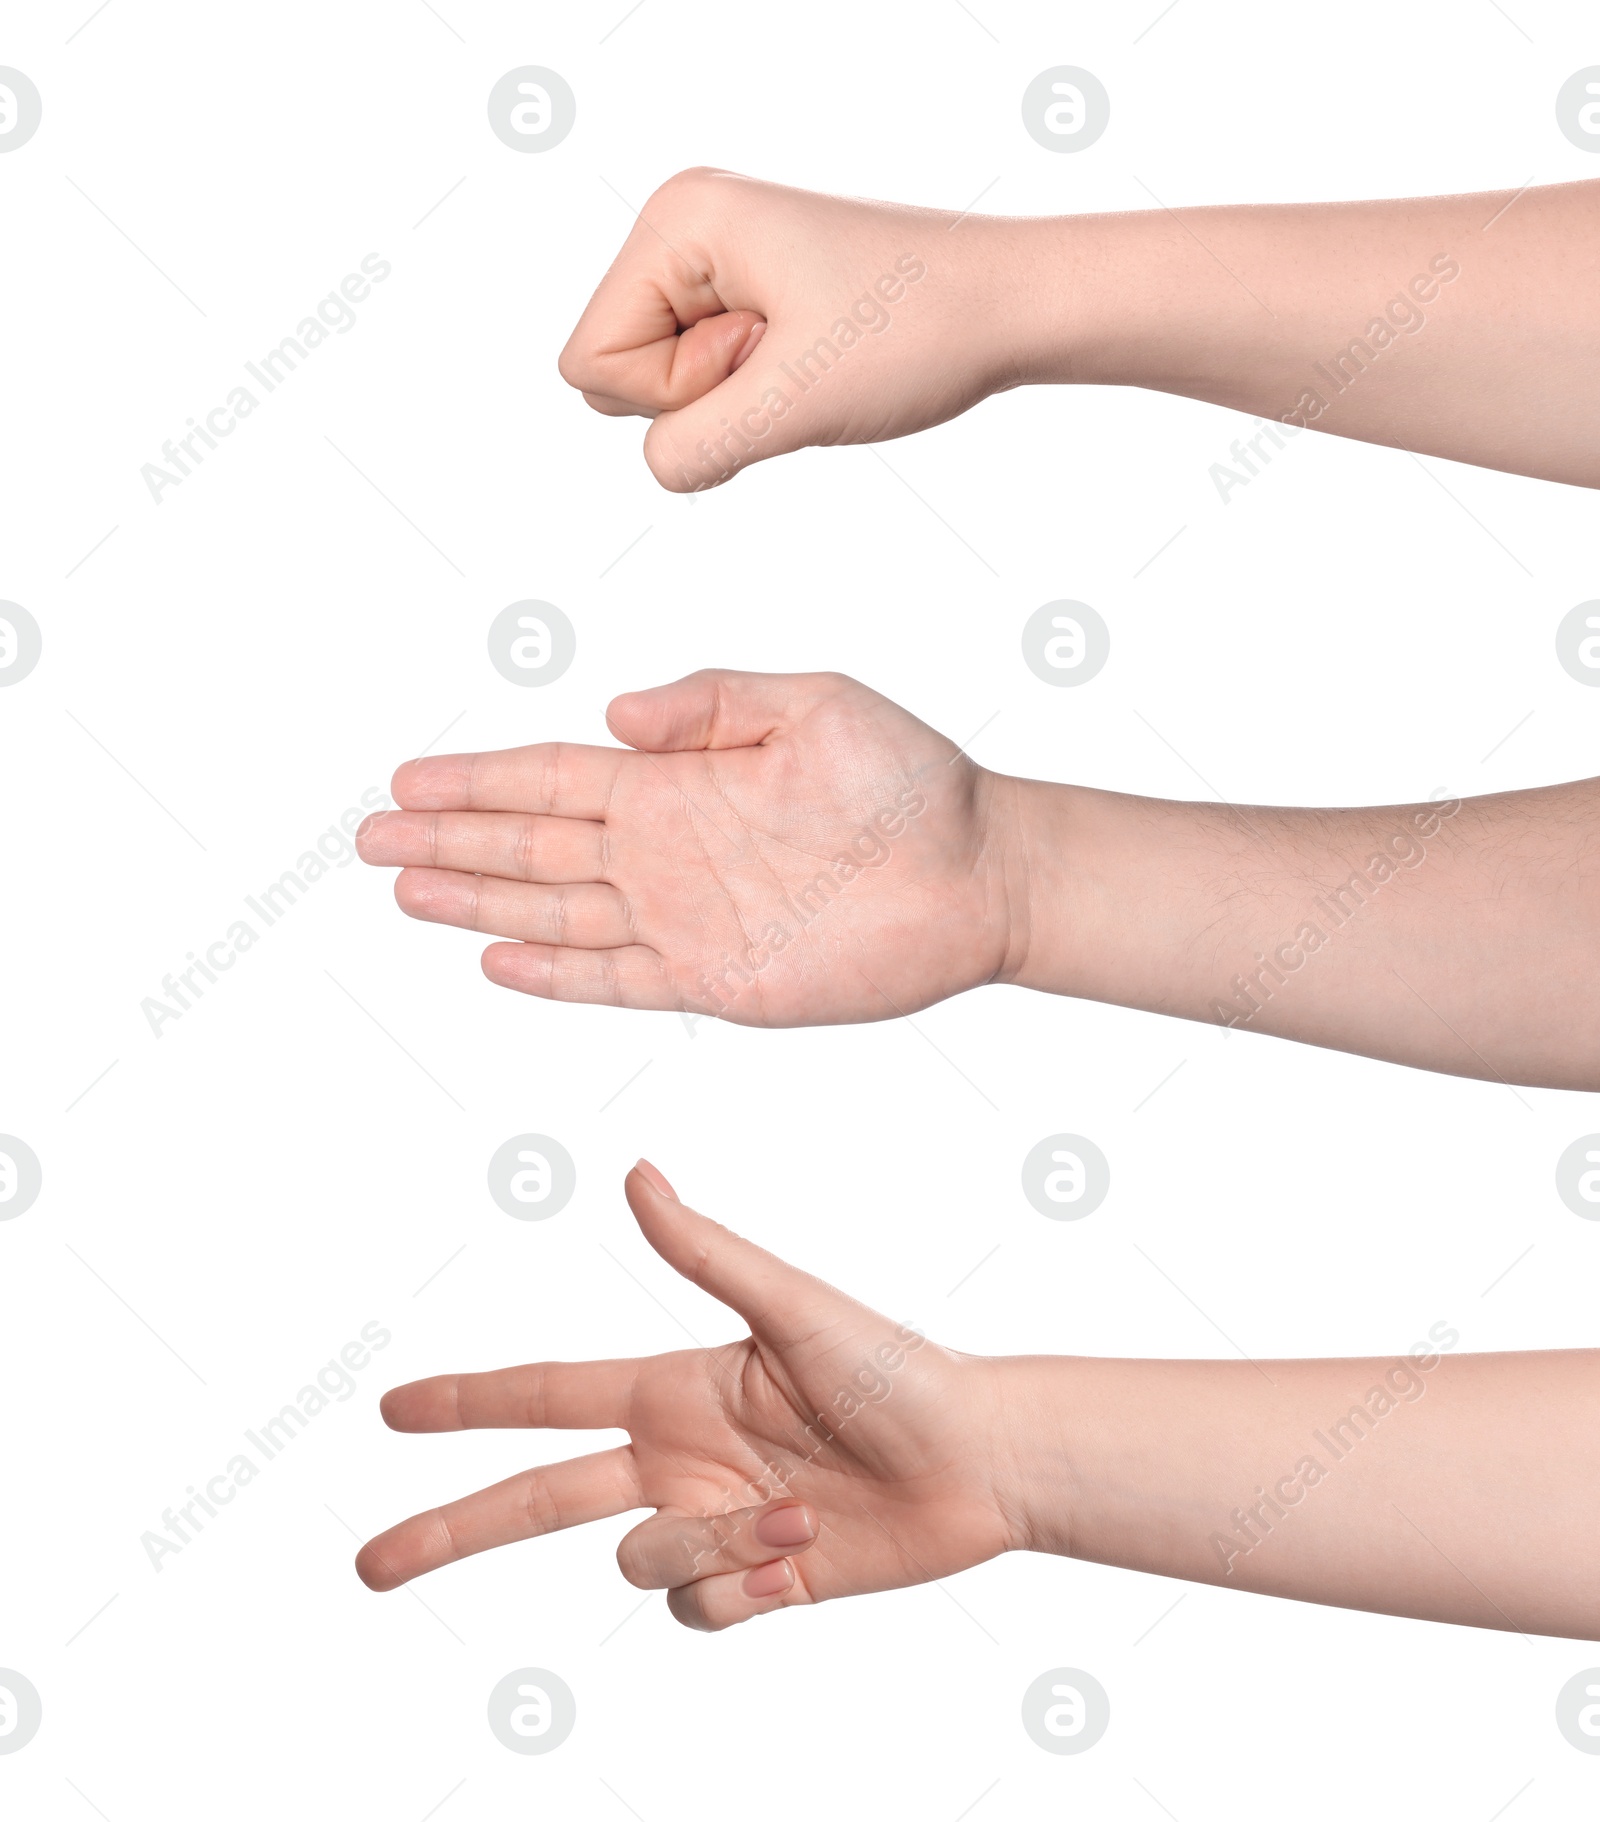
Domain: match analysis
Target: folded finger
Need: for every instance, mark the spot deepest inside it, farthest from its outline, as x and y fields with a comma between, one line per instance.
x=584, y=917
x=635, y=977
x=668, y=1551
x=548, y=1499
x=656, y=336
x=615, y=408
x=547, y=1395
x=558, y=778
x=720, y=1601
x=555, y=850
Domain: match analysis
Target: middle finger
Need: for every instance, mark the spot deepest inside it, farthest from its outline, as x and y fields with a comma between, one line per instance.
x=566, y=1493
x=552, y=850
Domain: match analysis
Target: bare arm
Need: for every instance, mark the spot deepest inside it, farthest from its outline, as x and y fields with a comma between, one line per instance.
x=1459, y=326
x=748, y=319
x=1438, y=1486
x=1456, y=936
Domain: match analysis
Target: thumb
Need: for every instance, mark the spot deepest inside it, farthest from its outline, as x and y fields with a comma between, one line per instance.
x=711, y=709
x=781, y=1303
x=673, y=369
x=758, y=411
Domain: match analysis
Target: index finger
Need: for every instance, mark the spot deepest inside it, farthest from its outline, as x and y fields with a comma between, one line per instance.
x=557, y=778
x=549, y=1395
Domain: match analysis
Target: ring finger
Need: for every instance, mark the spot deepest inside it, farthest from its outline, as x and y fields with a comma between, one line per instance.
x=572, y=917
x=668, y=1551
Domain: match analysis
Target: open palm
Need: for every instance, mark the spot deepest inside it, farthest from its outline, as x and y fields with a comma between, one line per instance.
x=777, y=851
x=832, y=1452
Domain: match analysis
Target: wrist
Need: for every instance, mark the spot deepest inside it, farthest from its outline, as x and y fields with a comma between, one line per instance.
x=1038, y=1492
x=1067, y=306
x=1054, y=897
x=992, y=321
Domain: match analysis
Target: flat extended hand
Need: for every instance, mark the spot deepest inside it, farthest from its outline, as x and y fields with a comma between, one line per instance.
x=781, y=851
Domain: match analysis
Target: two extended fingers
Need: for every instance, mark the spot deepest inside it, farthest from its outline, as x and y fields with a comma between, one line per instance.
x=718, y=1569
x=550, y=1395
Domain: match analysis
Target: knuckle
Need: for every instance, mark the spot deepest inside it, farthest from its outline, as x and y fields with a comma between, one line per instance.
x=610, y=979
x=575, y=980
x=523, y=857
x=688, y=185
x=443, y=1537
x=540, y=1508
x=535, y=1409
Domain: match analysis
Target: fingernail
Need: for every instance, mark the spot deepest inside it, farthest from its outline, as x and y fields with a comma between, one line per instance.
x=654, y=1178
x=769, y=1579
x=366, y=824
x=749, y=347
x=785, y=1528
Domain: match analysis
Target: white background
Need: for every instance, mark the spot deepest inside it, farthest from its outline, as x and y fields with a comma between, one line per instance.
x=275, y=1170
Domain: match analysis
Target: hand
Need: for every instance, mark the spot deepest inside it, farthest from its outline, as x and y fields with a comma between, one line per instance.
x=779, y=851
x=749, y=319
x=830, y=1452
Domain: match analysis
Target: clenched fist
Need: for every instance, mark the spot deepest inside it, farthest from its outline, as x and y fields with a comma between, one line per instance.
x=748, y=320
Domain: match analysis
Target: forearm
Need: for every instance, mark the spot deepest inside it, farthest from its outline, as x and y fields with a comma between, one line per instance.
x=1459, y=326
x=1441, y=1487
x=1455, y=936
